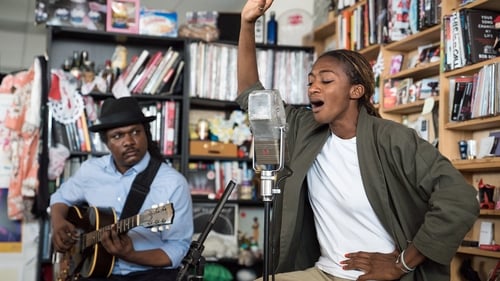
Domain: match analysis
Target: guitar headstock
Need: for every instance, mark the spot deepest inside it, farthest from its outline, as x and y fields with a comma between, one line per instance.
x=158, y=217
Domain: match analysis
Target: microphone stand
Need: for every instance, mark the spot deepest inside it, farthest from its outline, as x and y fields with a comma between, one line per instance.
x=193, y=258
x=268, y=188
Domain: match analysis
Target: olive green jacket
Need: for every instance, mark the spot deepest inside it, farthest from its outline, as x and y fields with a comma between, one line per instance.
x=416, y=192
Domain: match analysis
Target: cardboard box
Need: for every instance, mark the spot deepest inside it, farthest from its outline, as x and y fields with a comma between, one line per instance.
x=158, y=23
x=212, y=148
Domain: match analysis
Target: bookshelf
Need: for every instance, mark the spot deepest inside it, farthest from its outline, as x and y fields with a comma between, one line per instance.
x=214, y=90
x=100, y=46
x=449, y=133
x=473, y=169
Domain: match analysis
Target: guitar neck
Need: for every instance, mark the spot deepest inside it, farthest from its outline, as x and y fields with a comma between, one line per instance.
x=121, y=226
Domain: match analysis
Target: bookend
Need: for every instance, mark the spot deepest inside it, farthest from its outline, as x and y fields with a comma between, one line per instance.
x=194, y=259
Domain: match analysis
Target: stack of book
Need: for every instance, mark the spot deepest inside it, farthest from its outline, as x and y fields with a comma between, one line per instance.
x=468, y=37
x=152, y=73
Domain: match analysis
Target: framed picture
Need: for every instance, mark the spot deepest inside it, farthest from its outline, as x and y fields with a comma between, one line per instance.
x=428, y=87
x=396, y=62
x=427, y=54
x=222, y=240
x=251, y=226
x=403, y=91
x=123, y=16
x=201, y=180
x=10, y=230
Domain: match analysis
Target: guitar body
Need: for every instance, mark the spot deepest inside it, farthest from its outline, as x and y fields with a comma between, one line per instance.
x=92, y=261
x=88, y=258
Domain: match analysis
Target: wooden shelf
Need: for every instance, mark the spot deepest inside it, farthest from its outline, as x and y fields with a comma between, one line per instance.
x=470, y=69
x=424, y=37
x=325, y=30
x=491, y=213
x=478, y=165
x=483, y=4
x=408, y=108
x=478, y=252
x=475, y=124
x=419, y=72
x=449, y=132
x=370, y=52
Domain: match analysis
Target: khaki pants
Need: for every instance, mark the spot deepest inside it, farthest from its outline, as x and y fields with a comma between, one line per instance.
x=310, y=274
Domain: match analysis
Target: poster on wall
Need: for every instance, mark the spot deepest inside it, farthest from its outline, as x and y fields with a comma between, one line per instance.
x=10, y=230
x=251, y=226
x=221, y=241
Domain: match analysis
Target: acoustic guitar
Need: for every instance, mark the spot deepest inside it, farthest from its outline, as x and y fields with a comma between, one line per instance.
x=88, y=258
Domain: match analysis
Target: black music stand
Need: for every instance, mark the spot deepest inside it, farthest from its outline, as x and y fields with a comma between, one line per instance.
x=194, y=259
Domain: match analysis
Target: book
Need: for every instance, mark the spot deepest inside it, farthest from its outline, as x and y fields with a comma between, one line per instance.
x=457, y=41
x=136, y=66
x=148, y=71
x=60, y=134
x=169, y=127
x=87, y=147
x=138, y=76
x=465, y=108
x=448, y=43
x=457, y=95
x=177, y=124
x=156, y=74
x=129, y=67
x=481, y=28
x=156, y=88
x=178, y=75
x=169, y=76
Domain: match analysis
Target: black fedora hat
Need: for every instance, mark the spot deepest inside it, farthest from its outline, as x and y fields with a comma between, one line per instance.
x=118, y=113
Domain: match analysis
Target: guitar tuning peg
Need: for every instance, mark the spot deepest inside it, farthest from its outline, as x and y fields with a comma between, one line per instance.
x=160, y=228
x=154, y=206
x=154, y=229
x=161, y=204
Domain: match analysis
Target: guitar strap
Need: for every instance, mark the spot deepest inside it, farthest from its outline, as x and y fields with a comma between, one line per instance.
x=140, y=188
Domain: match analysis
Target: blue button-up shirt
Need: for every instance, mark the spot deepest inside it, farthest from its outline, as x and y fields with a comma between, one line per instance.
x=98, y=183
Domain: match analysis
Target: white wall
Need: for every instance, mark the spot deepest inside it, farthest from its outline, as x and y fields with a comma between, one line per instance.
x=21, y=40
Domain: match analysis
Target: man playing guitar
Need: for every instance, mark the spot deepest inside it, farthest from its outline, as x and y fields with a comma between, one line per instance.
x=137, y=253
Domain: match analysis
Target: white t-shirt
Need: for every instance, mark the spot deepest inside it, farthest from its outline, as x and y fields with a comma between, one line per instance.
x=344, y=219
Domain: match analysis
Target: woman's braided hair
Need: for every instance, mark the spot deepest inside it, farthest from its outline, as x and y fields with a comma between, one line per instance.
x=359, y=71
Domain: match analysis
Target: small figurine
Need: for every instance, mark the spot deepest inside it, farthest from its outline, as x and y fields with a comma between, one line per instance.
x=91, y=82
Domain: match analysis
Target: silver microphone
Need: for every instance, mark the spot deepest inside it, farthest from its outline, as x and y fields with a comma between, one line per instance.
x=266, y=114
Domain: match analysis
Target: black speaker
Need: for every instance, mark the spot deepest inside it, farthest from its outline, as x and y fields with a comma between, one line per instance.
x=229, y=26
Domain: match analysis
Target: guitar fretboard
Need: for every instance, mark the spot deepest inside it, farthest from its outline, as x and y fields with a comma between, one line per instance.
x=122, y=226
